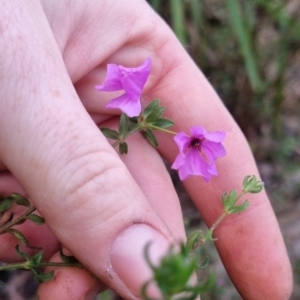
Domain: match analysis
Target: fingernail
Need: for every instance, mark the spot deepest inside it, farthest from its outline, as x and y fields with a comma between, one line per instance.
x=128, y=260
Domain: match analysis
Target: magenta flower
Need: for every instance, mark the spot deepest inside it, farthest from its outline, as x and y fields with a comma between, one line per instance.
x=132, y=81
x=197, y=153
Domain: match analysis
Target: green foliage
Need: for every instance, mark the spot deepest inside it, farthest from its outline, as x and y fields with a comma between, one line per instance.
x=173, y=275
x=149, y=120
x=252, y=185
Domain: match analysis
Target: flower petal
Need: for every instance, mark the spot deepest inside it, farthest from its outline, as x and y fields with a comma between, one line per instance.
x=212, y=150
x=112, y=81
x=131, y=107
x=216, y=137
x=134, y=79
x=178, y=162
x=197, y=164
x=182, y=140
x=198, y=131
x=212, y=169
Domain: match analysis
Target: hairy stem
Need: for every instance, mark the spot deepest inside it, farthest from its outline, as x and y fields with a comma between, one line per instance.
x=12, y=223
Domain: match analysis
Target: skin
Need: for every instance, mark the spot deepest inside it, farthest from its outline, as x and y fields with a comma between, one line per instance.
x=53, y=53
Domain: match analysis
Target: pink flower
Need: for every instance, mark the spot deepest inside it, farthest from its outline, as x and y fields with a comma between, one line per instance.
x=132, y=81
x=198, y=153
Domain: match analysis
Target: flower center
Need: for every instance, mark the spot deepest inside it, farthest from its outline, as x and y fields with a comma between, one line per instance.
x=195, y=143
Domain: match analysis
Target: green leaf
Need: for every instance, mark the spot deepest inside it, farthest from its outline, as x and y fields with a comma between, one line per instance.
x=6, y=203
x=239, y=208
x=150, y=108
x=35, y=260
x=36, y=219
x=208, y=236
x=20, y=200
x=229, y=199
x=21, y=253
x=155, y=114
x=193, y=240
x=205, y=263
x=17, y=234
x=244, y=37
x=123, y=148
x=163, y=123
x=123, y=125
x=43, y=277
x=109, y=133
x=69, y=259
x=149, y=135
x=252, y=185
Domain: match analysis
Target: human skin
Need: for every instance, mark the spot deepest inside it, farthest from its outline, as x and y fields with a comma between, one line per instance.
x=104, y=208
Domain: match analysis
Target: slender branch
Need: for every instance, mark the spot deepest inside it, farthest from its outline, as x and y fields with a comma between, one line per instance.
x=118, y=142
x=218, y=221
x=26, y=265
x=161, y=129
x=12, y=223
x=243, y=192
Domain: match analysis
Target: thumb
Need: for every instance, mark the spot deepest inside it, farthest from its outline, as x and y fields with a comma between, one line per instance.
x=51, y=145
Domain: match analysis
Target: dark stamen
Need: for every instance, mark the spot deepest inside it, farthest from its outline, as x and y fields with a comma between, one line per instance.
x=195, y=143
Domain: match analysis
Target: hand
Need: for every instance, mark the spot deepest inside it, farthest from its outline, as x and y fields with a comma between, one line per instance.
x=102, y=207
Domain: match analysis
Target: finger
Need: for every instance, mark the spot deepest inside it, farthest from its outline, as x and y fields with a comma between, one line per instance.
x=77, y=182
x=69, y=283
x=148, y=169
x=250, y=244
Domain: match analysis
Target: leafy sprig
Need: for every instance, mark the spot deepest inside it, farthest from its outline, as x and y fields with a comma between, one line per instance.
x=35, y=262
x=173, y=275
x=149, y=120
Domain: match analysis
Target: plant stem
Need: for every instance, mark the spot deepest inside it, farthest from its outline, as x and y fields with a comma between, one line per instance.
x=218, y=221
x=10, y=224
x=25, y=265
x=243, y=192
x=161, y=129
x=120, y=141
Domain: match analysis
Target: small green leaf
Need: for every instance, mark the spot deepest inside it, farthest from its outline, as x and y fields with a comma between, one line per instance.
x=193, y=240
x=123, y=125
x=163, y=123
x=36, y=259
x=21, y=253
x=229, y=199
x=36, y=219
x=155, y=114
x=208, y=236
x=43, y=277
x=109, y=133
x=17, y=234
x=20, y=200
x=252, y=185
x=69, y=259
x=205, y=263
x=149, y=135
x=150, y=108
x=5, y=203
x=239, y=208
x=123, y=148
